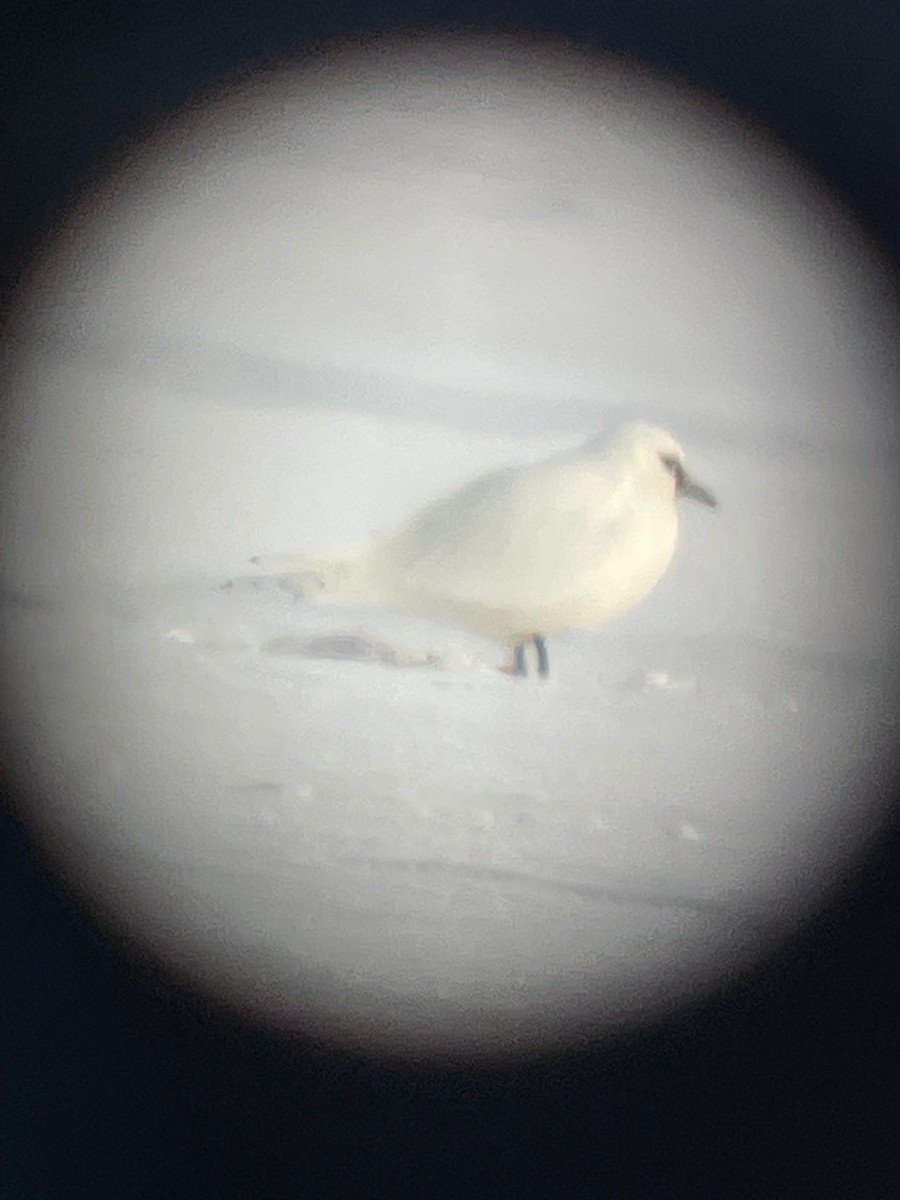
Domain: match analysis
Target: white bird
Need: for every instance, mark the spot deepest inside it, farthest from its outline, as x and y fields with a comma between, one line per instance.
x=525, y=553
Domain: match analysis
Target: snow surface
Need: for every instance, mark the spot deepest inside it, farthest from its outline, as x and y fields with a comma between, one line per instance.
x=296, y=319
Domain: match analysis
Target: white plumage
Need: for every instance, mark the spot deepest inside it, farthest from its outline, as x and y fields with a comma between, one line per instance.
x=526, y=552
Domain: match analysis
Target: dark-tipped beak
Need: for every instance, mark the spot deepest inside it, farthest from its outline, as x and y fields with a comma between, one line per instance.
x=693, y=491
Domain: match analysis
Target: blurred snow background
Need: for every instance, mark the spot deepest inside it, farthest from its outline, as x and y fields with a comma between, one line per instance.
x=298, y=314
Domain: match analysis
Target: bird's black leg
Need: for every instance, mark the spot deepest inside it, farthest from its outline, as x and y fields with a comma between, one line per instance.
x=543, y=661
x=519, y=659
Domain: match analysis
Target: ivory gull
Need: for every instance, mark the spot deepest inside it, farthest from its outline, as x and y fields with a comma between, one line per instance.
x=526, y=552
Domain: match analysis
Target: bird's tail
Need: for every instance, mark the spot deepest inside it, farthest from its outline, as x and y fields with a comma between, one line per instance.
x=344, y=577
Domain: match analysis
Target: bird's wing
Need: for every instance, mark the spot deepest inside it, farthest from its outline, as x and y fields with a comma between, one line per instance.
x=520, y=530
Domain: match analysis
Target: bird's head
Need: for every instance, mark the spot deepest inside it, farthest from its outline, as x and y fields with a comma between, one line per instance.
x=656, y=452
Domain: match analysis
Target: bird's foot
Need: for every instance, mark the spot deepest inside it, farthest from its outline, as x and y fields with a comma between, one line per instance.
x=543, y=661
x=518, y=664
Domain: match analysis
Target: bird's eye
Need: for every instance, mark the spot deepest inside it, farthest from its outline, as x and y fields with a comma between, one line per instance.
x=671, y=463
